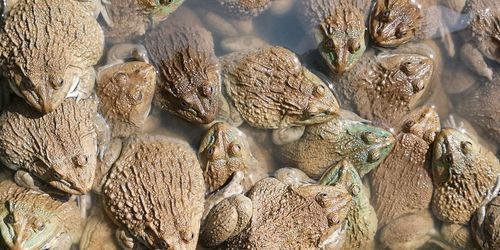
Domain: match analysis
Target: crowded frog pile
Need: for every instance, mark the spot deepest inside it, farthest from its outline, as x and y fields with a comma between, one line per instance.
x=249, y=124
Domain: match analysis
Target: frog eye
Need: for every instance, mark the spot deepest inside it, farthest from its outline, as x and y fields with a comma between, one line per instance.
x=9, y=219
x=136, y=96
x=448, y=159
x=401, y=32
x=28, y=84
x=466, y=147
x=185, y=105
x=322, y=199
x=57, y=83
x=355, y=189
x=369, y=138
x=40, y=227
x=319, y=91
x=329, y=44
x=163, y=244
x=353, y=46
x=210, y=151
x=207, y=91
x=57, y=176
x=408, y=125
x=234, y=149
x=120, y=77
x=373, y=156
x=187, y=236
x=80, y=160
x=418, y=86
x=385, y=15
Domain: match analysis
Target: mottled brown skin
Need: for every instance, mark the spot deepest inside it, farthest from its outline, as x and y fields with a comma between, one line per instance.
x=244, y=8
x=463, y=172
x=339, y=30
x=60, y=148
x=48, y=48
x=155, y=193
x=30, y=220
x=270, y=89
x=127, y=18
x=488, y=234
x=125, y=92
x=189, y=81
x=224, y=150
x=276, y=216
x=384, y=87
x=402, y=186
x=480, y=107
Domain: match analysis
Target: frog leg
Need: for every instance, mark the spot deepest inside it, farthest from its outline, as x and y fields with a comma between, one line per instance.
x=335, y=237
x=480, y=214
x=125, y=240
x=103, y=135
x=25, y=179
x=227, y=219
x=234, y=187
x=286, y=135
x=474, y=60
x=86, y=86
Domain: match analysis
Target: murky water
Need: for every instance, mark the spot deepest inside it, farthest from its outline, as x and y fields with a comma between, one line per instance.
x=451, y=82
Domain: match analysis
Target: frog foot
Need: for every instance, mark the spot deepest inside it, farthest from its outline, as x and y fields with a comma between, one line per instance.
x=234, y=187
x=227, y=219
x=124, y=240
x=83, y=86
x=481, y=211
x=474, y=59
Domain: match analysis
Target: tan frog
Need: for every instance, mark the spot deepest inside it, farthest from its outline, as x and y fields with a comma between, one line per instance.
x=125, y=92
x=223, y=151
x=275, y=216
x=384, y=86
x=463, y=172
x=487, y=234
x=323, y=145
x=32, y=220
x=271, y=89
x=402, y=186
x=183, y=53
x=60, y=148
x=46, y=67
x=155, y=180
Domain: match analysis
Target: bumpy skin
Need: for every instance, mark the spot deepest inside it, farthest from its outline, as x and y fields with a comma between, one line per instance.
x=125, y=92
x=127, y=20
x=244, y=8
x=156, y=180
x=30, y=220
x=484, y=17
x=384, y=87
x=189, y=82
x=60, y=148
x=480, y=107
x=489, y=233
x=462, y=172
x=323, y=145
x=47, y=48
x=223, y=151
x=362, y=219
x=271, y=89
x=339, y=29
x=275, y=207
x=402, y=185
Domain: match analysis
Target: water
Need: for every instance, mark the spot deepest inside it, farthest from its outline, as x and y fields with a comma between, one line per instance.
x=287, y=30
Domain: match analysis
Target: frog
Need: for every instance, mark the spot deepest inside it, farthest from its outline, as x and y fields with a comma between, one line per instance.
x=463, y=171
x=478, y=105
x=272, y=90
x=361, y=218
x=402, y=185
x=159, y=10
x=125, y=93
x=33, y=220
x=45, y=68
x=98, y=232
x=155, y=179
x=323, y=145
x=261, y=218
x=486, y=230
x=182, y=52
x=338, y=28
x=224, y=150
x=457, y=236
x=385, y=86
x=397, y=22
x=58, y=149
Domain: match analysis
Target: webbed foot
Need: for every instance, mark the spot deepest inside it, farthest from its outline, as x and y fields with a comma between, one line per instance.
x=124, y=239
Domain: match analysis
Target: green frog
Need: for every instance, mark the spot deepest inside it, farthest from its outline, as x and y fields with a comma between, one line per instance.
x=361, y=218
x=345, y=137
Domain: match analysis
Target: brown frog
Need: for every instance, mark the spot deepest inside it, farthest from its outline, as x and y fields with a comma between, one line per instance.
x=46, y=67
x=323, y=145
x=60, y=148
x=487, y=234
x=125, y=92
x=155, y=180
x=183, y=53
x=383, y=87
x=31, y=220
x=271, y=89
x=223, y=151
x=402, y=185
x=463, y=172
x=275, y=216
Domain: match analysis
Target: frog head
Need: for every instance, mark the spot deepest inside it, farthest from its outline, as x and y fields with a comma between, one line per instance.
x=28, y=226
x=158, y=236
x=322, y=105
x=222, y=152
x=341, y=39
x=394, y=22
